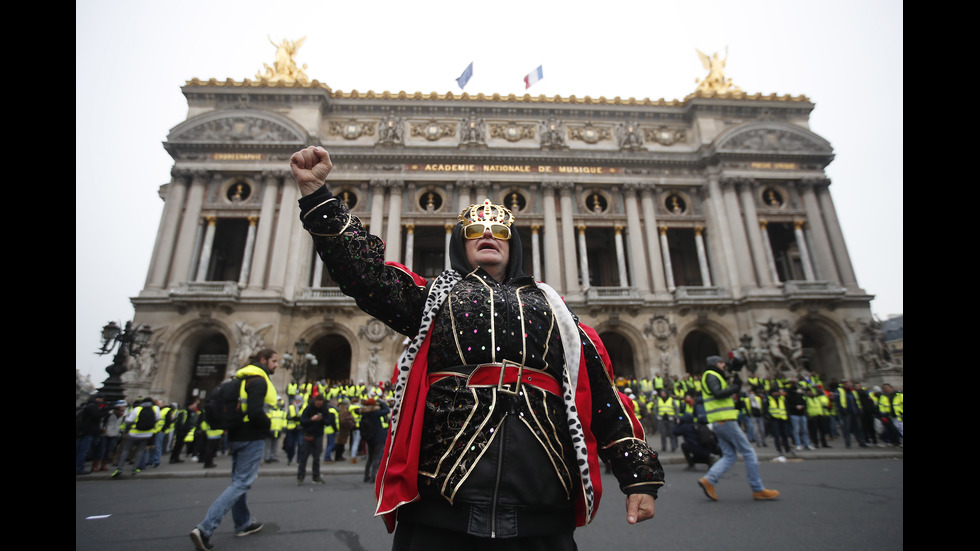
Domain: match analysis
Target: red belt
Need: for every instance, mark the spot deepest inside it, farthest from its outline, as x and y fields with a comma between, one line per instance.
x=507, y=377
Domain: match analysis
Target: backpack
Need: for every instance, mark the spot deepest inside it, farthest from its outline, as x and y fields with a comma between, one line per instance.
x=706, y=437
x=146, y=419
x=368, y=429
x=347, y=421
x=224, y=406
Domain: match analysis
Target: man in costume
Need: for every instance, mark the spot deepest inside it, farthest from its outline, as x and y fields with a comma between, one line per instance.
x=504, y=403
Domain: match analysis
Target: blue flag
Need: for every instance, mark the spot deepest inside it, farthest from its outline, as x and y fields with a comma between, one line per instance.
x=465, y=77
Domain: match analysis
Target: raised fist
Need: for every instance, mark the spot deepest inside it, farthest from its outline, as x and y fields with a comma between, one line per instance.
x=310, y=168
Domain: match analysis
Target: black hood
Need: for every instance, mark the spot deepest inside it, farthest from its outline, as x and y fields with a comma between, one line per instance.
x=457, y=254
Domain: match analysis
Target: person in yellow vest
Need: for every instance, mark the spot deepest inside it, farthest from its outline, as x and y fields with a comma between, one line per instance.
x=293, y=431
x=184, y=424
x=140, y=425
x=246, y=444
x=355, y=435
x=891, y=409
x=818, y=418
x=666, y=419
x=719, y=405
x=754, y=408
x=331, y=429
x=278, y=417
x=849, y=406
x=315, y=417
x=779, y=423
x=212, y=440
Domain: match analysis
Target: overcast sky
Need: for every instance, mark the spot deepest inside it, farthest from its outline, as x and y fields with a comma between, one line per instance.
x=131, y=58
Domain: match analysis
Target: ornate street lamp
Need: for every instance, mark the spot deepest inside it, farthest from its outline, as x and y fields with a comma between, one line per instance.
x=127, y=342
x=303, y=364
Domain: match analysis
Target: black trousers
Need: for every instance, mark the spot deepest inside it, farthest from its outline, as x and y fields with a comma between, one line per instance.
x=415, y=537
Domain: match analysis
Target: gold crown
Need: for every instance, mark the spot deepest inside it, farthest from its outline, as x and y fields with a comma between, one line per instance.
x=487, y=212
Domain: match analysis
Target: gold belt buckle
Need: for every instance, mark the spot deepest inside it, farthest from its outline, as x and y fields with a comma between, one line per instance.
x=506, y=387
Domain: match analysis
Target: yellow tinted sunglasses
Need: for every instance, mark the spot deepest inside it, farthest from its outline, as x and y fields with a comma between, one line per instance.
x=477, y=229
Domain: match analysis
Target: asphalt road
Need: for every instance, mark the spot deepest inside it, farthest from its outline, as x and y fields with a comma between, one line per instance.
x=825, y=504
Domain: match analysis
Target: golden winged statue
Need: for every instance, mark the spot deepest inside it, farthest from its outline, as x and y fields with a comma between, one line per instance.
x=715, y=81
x=284, y=68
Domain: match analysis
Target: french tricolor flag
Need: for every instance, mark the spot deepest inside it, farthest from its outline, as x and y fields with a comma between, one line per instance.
x=533, y=77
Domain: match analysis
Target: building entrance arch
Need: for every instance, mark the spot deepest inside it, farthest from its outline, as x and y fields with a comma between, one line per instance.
x=203, y=359
x=698, y=345
x=821, y=353
x=333, y=355
x=621, y=353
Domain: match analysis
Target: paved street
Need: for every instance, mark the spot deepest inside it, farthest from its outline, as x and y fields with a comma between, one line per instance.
x=844, y=504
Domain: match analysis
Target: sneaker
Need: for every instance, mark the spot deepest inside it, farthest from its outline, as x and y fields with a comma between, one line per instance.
x=117, y=473
x=299, y=481
x=201, y=542
x=252, y=528
x=709, y=488
x=765, y=494
x=137, y=471
x=319, y=480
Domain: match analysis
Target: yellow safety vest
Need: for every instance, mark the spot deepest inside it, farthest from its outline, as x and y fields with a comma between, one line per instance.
x=717, y=409
x=136, y=419
x=896, y=402
x=777, y=408
x=330, y=429
x=270, y=391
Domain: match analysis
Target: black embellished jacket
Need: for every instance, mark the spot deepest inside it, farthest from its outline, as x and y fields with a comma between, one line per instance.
x=496, y=460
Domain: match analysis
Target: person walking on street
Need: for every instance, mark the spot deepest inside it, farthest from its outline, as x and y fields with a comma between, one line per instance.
x=315, y=417
x=246, y=444
x=720, y=408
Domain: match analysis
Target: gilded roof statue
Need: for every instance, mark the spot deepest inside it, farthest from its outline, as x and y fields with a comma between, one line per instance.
x=285, y=69
x=715, y=81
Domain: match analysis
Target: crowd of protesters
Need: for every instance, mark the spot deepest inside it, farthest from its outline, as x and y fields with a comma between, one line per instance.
x=148, y=432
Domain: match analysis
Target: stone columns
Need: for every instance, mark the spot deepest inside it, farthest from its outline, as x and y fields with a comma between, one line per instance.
x=702, y=257
x=621, y=257
x=449, y=240
x=804, y=250
x=187, y=236
x=552, y=266
x=393, y=239
x=572, y=285
x=536, y=250
x=263, y=234
x=654, y=256
x=249, y=246
x=747, y=192
x=640, y=278
x=668, y=267
x=409, y=245
x=282, y=244
x=204, y=260
x=464, y=199
x=717, y=220
x=824, y=260
x=163, y=248
x=770, y=258
x=838, y=246
x=736, y=225
x=583, y=257
x=377, y=206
